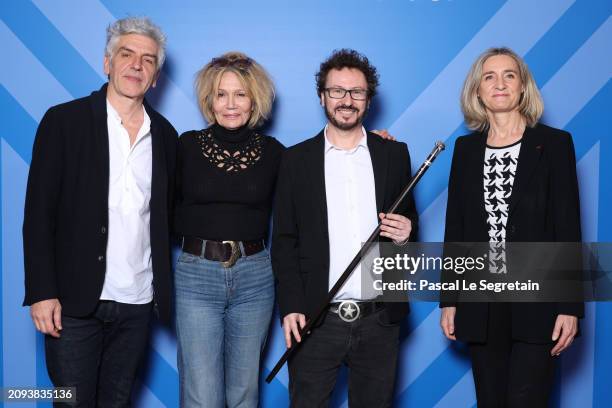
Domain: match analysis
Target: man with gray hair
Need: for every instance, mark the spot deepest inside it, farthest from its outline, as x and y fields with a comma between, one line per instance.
x=96, y=225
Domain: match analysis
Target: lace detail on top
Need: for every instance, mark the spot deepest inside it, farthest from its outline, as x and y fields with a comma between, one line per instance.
x=231, y=161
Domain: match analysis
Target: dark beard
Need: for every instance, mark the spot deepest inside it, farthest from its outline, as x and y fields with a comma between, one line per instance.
x=344, y=126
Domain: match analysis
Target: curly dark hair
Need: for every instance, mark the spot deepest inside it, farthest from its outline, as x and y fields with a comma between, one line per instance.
x=347, y=58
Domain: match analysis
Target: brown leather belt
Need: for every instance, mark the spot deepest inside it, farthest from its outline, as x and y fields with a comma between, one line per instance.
x=226, y=252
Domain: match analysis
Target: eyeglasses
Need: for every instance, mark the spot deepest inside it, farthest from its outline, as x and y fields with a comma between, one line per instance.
x=239, y=63
x=339, y=93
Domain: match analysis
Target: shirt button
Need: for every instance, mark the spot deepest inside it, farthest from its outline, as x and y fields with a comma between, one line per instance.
x=101, y=258
x=103, y=230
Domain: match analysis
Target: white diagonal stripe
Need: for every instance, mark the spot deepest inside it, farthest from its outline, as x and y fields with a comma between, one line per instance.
x=147, y=399
x=18, y=331
x=171, y=101
x=26, y=78
x=580, y=78
x=435, y=113
x=460, y=395
x=577, y=379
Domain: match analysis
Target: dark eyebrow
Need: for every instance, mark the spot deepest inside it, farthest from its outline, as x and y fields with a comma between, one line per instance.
x=347, y=89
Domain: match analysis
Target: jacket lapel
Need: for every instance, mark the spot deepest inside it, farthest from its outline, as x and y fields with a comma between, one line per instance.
x=380, y=161
x=529, y=157
x=99, y=132
x=159, y=174
x=317, y=160
x=476, y=164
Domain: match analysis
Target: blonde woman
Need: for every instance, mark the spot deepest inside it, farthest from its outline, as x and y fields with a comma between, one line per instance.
x=223, y=278
x=512, y=180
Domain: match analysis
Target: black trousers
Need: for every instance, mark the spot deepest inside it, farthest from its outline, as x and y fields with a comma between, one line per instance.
x=510, y=373
x=368, y=348
x=100, y=354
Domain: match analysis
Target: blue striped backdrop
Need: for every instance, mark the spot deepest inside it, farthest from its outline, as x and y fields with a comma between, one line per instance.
x=52, y=52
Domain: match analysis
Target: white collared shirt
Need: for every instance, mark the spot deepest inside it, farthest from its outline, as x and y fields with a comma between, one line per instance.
x=351, y=213
x=129, y=273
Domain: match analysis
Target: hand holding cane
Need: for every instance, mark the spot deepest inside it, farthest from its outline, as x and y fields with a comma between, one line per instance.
x=304, y=331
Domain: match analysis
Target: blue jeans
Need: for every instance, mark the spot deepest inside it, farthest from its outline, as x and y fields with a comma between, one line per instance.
x=222, y=319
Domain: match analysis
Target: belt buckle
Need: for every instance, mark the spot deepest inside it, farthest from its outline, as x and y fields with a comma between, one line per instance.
x=349, y=311
x=234, y=256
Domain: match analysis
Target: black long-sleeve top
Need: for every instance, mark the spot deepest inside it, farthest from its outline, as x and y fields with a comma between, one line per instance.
x=225, y=183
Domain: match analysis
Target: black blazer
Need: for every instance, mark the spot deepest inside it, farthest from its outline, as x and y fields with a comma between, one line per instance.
x=544, y=207
x=66, y=207
x=300, y=243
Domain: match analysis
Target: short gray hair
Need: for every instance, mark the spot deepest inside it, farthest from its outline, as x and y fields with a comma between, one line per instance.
x=136, y=25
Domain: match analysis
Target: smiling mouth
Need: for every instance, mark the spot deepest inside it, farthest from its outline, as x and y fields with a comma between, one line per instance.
x=346, y=110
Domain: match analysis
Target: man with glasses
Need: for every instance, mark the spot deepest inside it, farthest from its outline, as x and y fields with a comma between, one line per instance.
x=331, y=192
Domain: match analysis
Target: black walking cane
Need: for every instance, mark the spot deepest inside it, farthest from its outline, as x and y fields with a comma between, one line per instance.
x=349, y=269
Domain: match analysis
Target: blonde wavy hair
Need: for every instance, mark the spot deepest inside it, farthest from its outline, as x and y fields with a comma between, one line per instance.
x=530, y=106
x=252, y=76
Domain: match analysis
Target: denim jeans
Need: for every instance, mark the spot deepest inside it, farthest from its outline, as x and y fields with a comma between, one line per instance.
x=222, y=319
x=100, y=354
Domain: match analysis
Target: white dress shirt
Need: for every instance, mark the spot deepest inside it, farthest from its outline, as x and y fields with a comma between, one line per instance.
x=129, y=274
x=351, y=214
